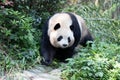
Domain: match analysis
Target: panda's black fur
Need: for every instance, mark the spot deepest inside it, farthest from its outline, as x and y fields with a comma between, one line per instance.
x=49, y=52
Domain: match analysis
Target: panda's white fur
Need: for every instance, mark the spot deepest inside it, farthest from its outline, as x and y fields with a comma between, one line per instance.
x=65, y=22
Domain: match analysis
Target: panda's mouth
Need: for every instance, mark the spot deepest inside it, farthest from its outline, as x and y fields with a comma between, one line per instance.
x=63, y=47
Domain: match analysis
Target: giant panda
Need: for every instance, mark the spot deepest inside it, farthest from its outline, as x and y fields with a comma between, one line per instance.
x=61, y=33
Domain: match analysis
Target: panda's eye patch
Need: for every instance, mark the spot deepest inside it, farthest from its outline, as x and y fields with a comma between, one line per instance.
x=57, y=26
x=72, y=27
x=59, y=38
x=69, y=40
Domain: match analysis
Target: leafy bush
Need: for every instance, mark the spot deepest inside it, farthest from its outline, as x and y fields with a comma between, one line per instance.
x=20, y=24
x=41, y=6
x=38, y=8
x=95, y=63
x=18, y=46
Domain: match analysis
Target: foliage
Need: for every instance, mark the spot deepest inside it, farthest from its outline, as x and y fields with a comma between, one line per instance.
x=102, y=60
x=38, y=8
x=17, y=40
x=20, y=24
x=95, y=63
x=38, y=5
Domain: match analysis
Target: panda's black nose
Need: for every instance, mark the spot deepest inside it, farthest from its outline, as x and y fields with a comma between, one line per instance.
x=64, y=45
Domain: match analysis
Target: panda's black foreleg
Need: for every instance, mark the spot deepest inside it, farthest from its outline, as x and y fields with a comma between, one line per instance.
x=47, y=56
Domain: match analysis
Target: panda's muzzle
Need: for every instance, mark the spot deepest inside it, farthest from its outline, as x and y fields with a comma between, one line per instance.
x=64, y=45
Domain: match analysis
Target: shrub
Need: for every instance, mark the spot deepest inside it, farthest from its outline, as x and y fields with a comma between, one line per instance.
x=95, y=63
x=20, y=24
x=38, y=8
x=17, y=42
x=50, y=6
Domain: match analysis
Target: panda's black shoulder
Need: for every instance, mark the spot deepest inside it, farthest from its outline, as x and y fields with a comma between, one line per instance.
x=45, y=38
x=75, y=28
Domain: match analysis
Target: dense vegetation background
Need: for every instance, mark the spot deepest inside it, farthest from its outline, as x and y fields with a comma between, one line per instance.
x=20, y=31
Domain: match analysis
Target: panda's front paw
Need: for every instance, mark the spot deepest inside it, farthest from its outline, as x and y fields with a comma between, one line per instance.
x=45, y=62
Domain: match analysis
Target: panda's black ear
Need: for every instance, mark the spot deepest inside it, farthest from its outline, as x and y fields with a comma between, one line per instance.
x=72, y=27
x=57, y=26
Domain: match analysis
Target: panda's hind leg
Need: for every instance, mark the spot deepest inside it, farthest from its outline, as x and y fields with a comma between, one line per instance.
x=85, y=39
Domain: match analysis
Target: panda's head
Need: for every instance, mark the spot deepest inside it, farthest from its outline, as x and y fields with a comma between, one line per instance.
x=60, y=31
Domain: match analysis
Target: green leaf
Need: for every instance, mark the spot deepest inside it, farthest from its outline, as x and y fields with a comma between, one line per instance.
x=99, y=74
